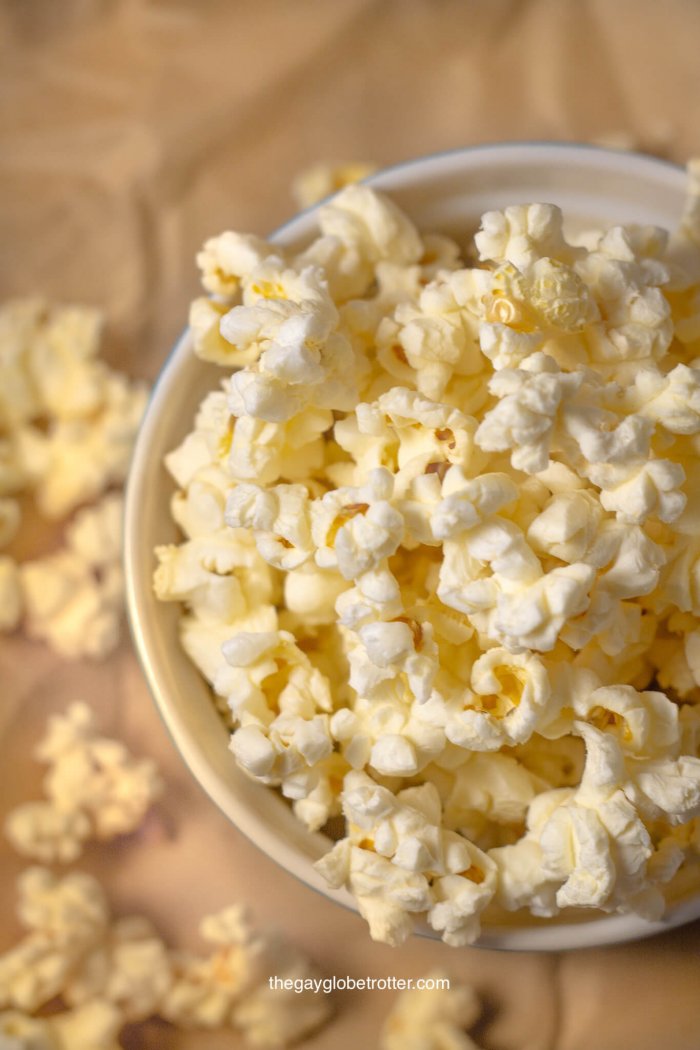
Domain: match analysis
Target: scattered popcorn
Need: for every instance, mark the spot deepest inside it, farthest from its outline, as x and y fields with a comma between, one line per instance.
x=230, y=987
x=107, y=972
x=94, y=789
x=94, y=1026
x=440, y=562
x=434, y=1018
x=67, y=427
x=65, y=919
x=322, y=180
x=73, y=599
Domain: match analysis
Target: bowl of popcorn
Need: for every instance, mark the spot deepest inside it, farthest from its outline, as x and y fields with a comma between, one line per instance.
x=411, y=545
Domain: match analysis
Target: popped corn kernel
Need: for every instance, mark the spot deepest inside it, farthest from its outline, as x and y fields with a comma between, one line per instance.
x=94, y=789
x=432, y=1018
x=522, y=234
x=64, y=918
x=509, y=698
x=229, y=987
x=321, y=180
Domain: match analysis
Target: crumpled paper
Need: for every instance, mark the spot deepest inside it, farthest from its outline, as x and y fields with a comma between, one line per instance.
x=129, y=132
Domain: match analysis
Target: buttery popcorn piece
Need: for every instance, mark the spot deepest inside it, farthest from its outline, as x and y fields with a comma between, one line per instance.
x=94, y=789
x=321, y=180
x=230, y=987
x=436, y=1018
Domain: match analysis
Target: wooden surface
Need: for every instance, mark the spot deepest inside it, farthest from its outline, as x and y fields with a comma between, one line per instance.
x=129, y=131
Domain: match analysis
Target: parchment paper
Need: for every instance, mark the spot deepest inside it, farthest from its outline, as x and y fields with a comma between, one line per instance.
x=130, y=131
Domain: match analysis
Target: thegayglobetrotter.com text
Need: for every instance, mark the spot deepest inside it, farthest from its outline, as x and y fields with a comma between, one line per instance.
x=360, y=984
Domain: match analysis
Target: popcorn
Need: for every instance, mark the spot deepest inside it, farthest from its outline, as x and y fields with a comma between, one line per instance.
x=321, y=180
x=436, y=338
x=94, y=1026
x=671, y=401
x=129, y=968
x=283, y=724
x=65, y=919
x=220, y=577
x=73, y=599
x=67, y=427
x=371, y=225
x=355, y=529
x=279, y=519
x=291, y=328
x=264, y=452
x=440, y=563
x=230, y=987
x=226, y=259
x=432, y=1018
x=273, y=1017
x=509, y=699
x=638, y=325
x=525, y=414
x=637, y=493
x=397, y=849
x=68, y=607
x=78, y=458
x=522, y=235
x=94, y=789
x=523, y=880
x=109, y=973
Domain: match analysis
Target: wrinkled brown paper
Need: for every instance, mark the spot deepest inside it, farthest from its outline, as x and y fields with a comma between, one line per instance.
x=129, y=131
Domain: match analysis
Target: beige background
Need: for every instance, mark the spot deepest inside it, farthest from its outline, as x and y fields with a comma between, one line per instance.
x=129, y=131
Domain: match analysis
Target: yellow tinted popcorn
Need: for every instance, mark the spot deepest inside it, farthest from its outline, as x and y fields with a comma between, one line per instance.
x=230, y=988
x=94, y=1026
x=94, y=789
x=433, y=1017
x=100, y=973
x=467, y=498
x=321, y=180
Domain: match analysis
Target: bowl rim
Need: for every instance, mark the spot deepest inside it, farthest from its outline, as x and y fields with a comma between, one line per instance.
x=555, y=936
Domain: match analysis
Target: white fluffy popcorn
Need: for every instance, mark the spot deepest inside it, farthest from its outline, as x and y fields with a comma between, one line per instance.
x=94, y=789
x=441, y=559
x=67, y=427
x=230, y=987
x=290, y=324
x=76, y=459
x=525, y=414
x=509, y=699
x=73, y=599
x=107, y=972
x=94, y=1026
x=65, y=919
x=398, y=859
x=322, y=180
x=432, y=1017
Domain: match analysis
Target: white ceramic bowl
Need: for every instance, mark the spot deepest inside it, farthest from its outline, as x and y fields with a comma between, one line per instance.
x=447, y=192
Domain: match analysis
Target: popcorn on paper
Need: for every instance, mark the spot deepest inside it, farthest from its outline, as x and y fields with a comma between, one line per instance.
x=67, y=428
x=95, y=789
x=432, y=1018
